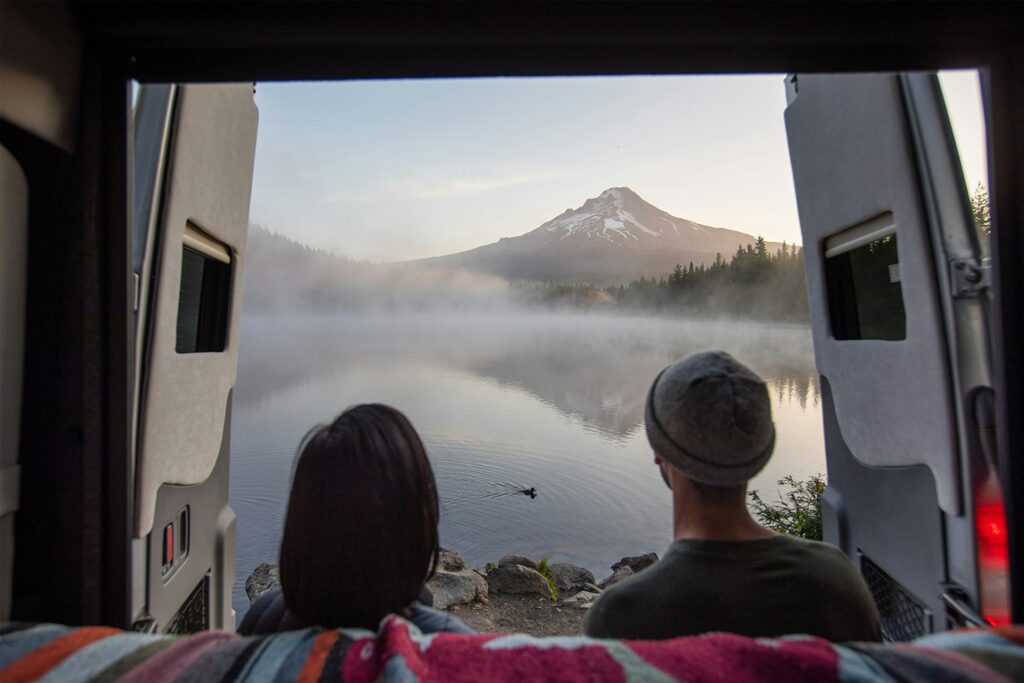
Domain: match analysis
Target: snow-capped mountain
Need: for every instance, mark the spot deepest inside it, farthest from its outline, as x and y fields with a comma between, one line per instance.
x=611, y=238
x=619, y=217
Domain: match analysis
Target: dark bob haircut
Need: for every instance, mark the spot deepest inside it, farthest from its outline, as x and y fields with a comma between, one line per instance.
x=360, y=538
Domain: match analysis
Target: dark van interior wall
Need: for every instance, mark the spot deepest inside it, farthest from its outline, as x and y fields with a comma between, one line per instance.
x=13, y=237
x=69, y=555
x=56, y=566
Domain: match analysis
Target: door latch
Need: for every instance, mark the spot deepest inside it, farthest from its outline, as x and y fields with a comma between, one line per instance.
x=970, y=277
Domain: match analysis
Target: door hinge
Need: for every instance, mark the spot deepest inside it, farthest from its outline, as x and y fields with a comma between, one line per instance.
x=970, y=277
x=792, y=88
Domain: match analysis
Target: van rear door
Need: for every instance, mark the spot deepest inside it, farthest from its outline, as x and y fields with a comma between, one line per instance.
x=192, y=178
x=898, y=299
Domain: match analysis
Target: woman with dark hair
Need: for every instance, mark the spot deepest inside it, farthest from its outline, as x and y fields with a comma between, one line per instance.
x=360, y=539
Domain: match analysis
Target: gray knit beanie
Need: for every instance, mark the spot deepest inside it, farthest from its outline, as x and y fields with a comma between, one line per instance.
x=709, y=416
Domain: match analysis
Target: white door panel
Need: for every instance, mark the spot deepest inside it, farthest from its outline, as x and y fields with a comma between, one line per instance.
x=206, y=198
x=855, y=171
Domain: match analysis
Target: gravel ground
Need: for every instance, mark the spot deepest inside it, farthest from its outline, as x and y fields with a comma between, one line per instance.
x=530, y=614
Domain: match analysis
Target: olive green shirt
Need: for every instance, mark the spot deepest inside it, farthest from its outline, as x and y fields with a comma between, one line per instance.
x=764, y=587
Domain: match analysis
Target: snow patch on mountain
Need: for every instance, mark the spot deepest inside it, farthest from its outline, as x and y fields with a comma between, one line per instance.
x=617, y=215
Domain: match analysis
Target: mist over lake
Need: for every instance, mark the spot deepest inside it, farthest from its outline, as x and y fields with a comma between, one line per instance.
x=504, y=400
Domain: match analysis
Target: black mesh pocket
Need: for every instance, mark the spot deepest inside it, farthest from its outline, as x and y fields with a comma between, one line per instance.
x=903, y=616
x=194, y=615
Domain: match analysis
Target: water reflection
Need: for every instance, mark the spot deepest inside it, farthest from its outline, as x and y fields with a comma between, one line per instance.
x=593, y=368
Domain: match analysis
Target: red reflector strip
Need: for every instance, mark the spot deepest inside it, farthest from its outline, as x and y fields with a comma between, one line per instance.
x=993, y=556
x=993, y=546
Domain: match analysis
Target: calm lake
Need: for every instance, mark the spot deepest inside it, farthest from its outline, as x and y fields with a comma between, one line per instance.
x=503, y=401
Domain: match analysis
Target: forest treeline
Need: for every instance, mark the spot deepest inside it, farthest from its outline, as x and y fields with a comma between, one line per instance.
x=753, y=283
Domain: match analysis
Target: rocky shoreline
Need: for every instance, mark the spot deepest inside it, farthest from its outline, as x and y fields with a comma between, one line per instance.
x=516, y=595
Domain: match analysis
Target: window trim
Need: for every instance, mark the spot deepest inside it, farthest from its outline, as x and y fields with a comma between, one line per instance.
x=195, y=238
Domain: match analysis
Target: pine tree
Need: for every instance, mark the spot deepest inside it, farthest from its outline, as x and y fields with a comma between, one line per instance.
x=760, y=248
x=982, y=217
x=676, y=278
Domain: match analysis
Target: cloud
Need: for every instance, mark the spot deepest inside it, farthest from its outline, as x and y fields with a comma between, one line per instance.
x=439, y=187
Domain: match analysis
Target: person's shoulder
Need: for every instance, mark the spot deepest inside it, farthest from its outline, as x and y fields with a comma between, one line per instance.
x=269, y=614
x=620, y=596
x=612, y=613
x=430, y=620
x=823, y=552
x=833, y=569
x=841, y=583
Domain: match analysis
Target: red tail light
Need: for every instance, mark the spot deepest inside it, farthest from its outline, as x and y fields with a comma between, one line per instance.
x=993, y=555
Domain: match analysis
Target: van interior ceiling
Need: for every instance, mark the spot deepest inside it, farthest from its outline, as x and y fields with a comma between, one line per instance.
x=105, y=366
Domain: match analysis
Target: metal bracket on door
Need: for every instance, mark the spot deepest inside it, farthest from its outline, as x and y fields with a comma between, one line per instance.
x=144, y=624
x=970, y=277
x=959, y=610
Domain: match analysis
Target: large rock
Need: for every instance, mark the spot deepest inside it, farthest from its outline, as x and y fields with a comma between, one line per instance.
x=264, y=578
x=636, y=562
x=457, y=588
x=451, y=561
x=581, y=599
x=513, y=560
x=618, y=576
x=570, y=579
x=516, y=578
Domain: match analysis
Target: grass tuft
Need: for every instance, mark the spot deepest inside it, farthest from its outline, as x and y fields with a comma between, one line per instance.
x=545, y=571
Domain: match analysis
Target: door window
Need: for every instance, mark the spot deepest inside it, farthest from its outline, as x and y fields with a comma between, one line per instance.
x=204, y=297
x=862, y=278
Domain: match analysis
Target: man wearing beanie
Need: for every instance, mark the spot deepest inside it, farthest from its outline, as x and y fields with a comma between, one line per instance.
x=709, y=422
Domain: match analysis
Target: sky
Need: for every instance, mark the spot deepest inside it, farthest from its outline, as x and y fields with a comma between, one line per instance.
x=405, y=169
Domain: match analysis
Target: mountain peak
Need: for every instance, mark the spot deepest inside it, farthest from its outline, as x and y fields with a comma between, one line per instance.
x=618, y=194
x=613, y=237
x=616, y=217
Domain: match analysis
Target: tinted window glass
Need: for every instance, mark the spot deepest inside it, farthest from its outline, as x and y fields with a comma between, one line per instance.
x=202, y=303
x=149, y=122
x=864, y=293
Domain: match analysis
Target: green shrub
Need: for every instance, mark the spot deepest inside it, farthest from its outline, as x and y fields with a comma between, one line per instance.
x=798, y=511
x=545, y=571
x=490, y=567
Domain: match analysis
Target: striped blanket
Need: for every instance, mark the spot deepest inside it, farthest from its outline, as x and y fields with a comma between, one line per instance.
x=399, y=652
